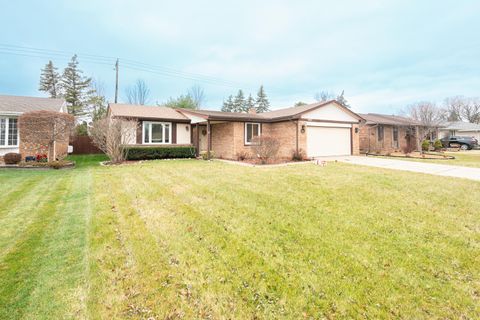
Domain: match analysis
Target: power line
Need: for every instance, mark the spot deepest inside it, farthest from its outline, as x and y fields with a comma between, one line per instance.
x=106, y=60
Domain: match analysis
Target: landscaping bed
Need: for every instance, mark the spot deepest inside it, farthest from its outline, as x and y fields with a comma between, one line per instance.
x=39, y=165
x=416, y=155
x=15, y=161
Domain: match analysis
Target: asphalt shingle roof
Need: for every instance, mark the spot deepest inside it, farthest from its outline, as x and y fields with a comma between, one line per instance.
x=21, y=104
x=375, y=118
x=147, y=112
x=275, y=115
x=461, y=126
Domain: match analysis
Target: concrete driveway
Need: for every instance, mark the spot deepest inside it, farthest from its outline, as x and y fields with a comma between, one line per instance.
x=422, y=167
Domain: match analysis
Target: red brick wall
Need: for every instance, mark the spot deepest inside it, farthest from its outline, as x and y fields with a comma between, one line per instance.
x=36, y=130
x=228, y=139
x=369, y=141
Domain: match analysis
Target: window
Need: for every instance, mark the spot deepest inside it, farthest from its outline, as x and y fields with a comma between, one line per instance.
x=157, y=132
x=252, y=130
x=8, y=132
x=380, y=133
x=395, y=137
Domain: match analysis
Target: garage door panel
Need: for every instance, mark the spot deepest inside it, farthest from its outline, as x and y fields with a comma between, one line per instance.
x=328, y=141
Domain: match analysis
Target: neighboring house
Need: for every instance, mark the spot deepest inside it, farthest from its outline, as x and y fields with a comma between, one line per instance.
x=459, y=128
x=388, y=133
x=319, y=129
x=11, y=107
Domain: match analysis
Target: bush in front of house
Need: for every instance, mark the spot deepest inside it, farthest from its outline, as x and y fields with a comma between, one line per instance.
x=266, y=148
x=438, y=145
x=425, y=145
x=12, y=158
x=204, y=155
x=158, y=152
x=299, y=155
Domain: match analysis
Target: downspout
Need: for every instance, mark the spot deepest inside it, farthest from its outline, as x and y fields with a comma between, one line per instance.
x=197, y=139
x=296, y=142
x=209, y=139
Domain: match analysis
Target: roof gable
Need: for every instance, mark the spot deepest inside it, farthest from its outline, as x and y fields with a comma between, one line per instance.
x=330, y=112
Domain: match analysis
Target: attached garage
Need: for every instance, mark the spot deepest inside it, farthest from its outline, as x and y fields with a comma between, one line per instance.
x=330, y=130
x=325, y=141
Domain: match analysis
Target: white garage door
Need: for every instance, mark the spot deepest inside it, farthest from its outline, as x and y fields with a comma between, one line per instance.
x=328, y=141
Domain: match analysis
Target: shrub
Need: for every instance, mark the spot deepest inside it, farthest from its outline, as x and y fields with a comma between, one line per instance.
x=158, y=152
x=204, y=155
x=242, y=155
x=437, y=145
x=12, y=158
x=408, y=148
x=425, y=145
x=299, y=155
x=266, y=148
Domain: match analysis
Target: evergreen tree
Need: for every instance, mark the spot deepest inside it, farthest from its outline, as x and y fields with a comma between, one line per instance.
x=49, y=80
x=262, y=103
x=76, y=88
x=228, y=105
x=96, y=104
x=341, y=99
x=300, y=103
x=250, y=103
x=239, y=102
x=182, y=101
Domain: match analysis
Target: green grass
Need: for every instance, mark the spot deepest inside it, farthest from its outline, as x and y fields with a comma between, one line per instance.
x=193, y=239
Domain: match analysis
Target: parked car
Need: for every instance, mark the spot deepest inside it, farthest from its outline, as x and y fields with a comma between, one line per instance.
x=465, y=143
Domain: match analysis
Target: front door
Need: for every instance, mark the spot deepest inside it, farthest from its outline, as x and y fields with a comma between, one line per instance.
x=203, y=138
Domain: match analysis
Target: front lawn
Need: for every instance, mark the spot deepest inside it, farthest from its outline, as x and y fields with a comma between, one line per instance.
x=194, y=239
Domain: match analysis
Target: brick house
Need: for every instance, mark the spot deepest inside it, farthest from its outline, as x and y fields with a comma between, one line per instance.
x=319, y=129
x=388, y=133
x=11, y=108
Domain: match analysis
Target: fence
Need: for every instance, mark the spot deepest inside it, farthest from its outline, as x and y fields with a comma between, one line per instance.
x=84, y=145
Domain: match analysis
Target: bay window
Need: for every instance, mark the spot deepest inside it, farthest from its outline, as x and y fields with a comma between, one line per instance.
x=157, y=132
x=252, y=130
x=8, y=132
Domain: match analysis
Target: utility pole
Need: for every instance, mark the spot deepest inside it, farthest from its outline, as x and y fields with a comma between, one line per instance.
x=116, y=81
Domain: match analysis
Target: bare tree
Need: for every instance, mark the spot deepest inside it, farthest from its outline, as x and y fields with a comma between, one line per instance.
x=429, y=116
x=266, y=148
x=139, y=93
x=471, y=110
x=197, y=94
x=112, y=135
x=453, y=108
x=460, y=108
x=47, y=128
x=323, y=96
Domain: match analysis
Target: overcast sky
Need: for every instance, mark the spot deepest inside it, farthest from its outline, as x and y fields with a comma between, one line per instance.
x=384, y=54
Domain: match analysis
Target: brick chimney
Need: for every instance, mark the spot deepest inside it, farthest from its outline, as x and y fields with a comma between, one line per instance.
x=252, y=111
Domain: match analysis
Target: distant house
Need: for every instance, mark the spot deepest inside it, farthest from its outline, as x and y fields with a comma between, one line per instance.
x=11, y=107
x=319, y=129
x=388, y=133
x=459, y=128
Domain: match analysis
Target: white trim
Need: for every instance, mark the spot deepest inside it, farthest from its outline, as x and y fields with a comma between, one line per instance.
x=245, y=132
x=328, y=124
x=163, y=132
x=10, y=113
x=7, y=129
